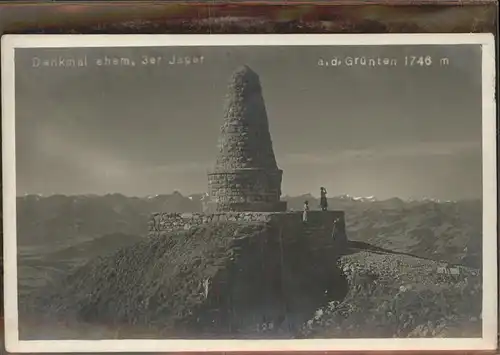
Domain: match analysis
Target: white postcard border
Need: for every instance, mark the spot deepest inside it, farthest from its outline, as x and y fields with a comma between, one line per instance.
x=489, y=314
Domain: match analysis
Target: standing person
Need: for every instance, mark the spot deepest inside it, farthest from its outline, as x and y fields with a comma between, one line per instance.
x=306, y=211
x=323, y=201
x=338, y=235
x=335, y=229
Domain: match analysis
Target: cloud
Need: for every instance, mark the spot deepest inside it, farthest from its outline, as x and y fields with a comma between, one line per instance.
x=79, y=164
x=418, y=150
x=85, y=157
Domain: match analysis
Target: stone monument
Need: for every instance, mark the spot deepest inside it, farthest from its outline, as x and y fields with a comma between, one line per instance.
x=246, y=177
x=245, y=184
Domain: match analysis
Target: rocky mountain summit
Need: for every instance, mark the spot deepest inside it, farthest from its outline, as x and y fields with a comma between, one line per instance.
x=400, y=271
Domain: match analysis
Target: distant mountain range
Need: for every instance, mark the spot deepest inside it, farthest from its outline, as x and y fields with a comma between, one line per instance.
x=426, y=227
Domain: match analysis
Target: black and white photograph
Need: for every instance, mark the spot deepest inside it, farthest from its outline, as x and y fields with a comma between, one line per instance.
x=249, y=192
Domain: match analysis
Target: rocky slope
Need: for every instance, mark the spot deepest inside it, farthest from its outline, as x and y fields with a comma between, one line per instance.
x=393, y=295
x=390, y=276
x=221, y=279
x=37, y=269
x=229, y=281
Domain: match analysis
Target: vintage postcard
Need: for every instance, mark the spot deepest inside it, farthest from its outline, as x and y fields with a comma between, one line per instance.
x=249, y=192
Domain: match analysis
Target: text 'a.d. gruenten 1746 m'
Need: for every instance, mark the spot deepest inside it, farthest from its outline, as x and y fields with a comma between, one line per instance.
x=407, y=61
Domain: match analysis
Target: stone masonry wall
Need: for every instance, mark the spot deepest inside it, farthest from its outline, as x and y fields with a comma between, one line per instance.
x=246, y=190
x=168, y=222
x=318, y=227
x=251, y=185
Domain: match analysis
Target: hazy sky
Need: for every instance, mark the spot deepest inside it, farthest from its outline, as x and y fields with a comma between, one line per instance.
x=383, y=131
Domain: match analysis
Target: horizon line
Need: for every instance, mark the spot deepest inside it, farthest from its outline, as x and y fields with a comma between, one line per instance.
x=284, y=196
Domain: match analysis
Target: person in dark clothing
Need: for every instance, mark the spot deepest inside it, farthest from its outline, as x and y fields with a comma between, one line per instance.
x=323, y=201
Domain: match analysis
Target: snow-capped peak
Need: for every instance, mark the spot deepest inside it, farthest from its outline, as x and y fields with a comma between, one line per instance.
x=357, y=198
x=367, y=198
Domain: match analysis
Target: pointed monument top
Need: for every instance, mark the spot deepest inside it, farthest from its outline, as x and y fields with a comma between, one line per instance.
x=245, y=141
x=244, y=80
x=243, y=71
